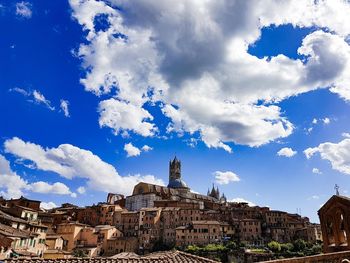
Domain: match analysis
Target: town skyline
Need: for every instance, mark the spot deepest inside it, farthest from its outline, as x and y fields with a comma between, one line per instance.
x=97, y=96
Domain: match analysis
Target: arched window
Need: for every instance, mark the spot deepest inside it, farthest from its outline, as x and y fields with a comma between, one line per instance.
x=342, y=233
x=330, y=232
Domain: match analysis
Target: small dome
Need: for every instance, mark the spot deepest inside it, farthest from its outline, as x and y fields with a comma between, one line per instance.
x=177, y=183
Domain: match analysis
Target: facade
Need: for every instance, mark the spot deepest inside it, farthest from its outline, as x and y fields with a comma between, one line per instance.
x=199, y=233
x=335, y=224
x=250, y=231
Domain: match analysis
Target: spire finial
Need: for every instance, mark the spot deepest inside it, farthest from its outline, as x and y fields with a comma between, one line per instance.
x=336, y=187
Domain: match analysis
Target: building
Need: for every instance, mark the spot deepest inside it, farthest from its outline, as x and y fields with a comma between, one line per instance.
x=335, y=224
x=199, y=233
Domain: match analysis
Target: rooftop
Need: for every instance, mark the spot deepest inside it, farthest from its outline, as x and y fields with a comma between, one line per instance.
x=159, y=257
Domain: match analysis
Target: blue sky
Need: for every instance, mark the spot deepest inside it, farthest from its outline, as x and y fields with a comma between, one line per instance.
x=96, y=96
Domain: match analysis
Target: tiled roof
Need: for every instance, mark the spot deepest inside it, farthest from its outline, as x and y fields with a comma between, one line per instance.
x=11, y=218
x=158, y=257
x=9, y=231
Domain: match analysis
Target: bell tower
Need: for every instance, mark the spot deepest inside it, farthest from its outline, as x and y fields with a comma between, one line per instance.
x=174, y=169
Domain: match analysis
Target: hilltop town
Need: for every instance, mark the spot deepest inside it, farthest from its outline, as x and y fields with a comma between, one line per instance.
x=153, y=218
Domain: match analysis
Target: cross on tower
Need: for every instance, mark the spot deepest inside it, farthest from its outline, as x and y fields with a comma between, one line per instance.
x=336, y=187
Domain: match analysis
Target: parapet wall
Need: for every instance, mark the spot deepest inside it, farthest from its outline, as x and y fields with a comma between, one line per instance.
x=337, y=257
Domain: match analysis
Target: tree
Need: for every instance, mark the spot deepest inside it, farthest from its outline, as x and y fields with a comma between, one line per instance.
x=274, y=246
x=299, y=245
x=287, y=247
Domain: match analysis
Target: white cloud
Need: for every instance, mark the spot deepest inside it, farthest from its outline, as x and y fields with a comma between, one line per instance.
x=72, y=162
x=20, y=91
x=40, y=99
x=241, y=200
x=316, y=171
x=286, y=152
x=144, y=57
x=48, y=205
x=120, y=116
x=81, y=190
x=314, y=121
x=24, y=9
x=326, y=121
x=345, y=135
x=131, y=150
x=34, y=97
x=225, y=177
x=46, y=188
x=338, y=154
x=146, y=148
x=13, y=186
x=64, y=105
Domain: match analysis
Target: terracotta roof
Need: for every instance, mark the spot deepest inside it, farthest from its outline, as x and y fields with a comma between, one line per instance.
x=9, y=231
x=158, y=257
x=11, y=218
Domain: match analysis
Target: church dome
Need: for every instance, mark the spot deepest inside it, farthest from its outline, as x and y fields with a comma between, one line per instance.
x=177, y=183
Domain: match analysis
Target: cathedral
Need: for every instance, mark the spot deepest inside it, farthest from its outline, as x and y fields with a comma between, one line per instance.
x=176, y=192
x=175, y=180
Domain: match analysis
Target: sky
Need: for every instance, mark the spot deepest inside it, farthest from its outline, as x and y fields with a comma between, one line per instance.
x=252, y=96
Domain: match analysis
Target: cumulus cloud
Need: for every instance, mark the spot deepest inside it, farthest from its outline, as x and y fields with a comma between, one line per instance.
x=46, y=188
x=225, y=177
x=120, y=115
x=71, y=162
x=316, y=171
x=346, y=134
x=286, y=152
x=12, y=185
x=131, y=150
x=64, y=105
x=24, y=9
x=241, y=200
x=338, y=154
x=48, y=205
x=146, y=148
x=154, y=52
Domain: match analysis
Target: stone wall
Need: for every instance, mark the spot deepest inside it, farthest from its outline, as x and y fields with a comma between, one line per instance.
x=337, y=257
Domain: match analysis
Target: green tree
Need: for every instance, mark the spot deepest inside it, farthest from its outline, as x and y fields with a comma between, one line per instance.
x=274, y=246
x=299, y=245
x=286, y=247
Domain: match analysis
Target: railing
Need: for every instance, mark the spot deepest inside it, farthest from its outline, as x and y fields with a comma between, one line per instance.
x=337, y=257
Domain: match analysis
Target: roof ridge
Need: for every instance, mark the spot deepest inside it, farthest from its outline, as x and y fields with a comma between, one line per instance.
x=198, y=257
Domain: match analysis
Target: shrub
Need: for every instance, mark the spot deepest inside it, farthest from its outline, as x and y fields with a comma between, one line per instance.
x=274, y=246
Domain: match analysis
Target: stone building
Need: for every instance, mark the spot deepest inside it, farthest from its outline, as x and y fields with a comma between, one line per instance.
x=130, y=223
x=335, y=224
x=149, y=227
x=146, y=195
x=24, y=202
x=199, y=233
x=250, y=231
